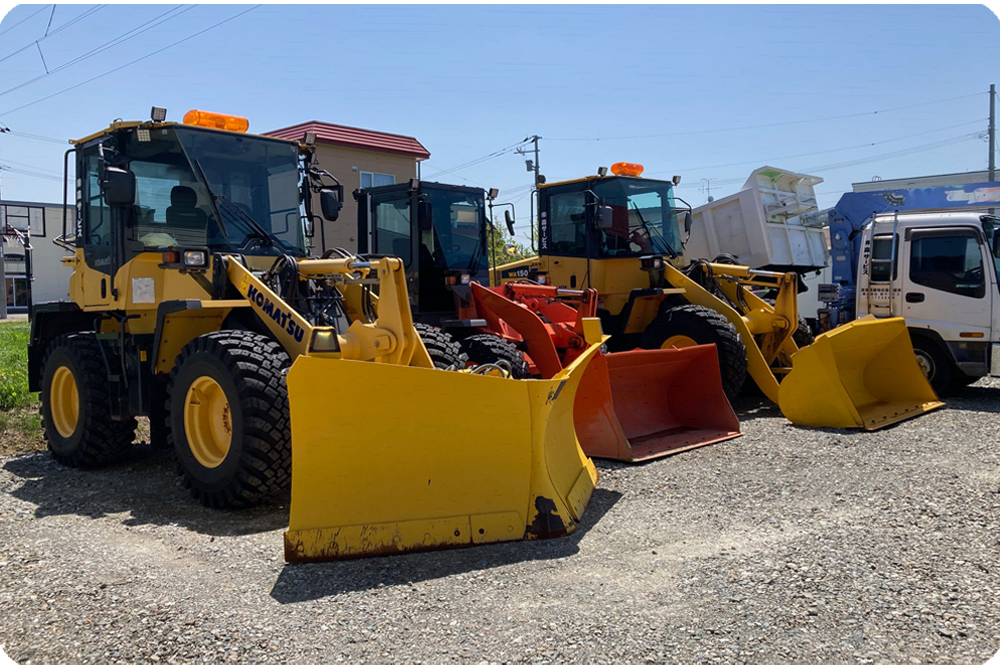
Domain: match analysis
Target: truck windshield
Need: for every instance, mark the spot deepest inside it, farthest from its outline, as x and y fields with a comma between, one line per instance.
x=643, y=221
x=457, y=241
x=249, y=177
x=991, y=225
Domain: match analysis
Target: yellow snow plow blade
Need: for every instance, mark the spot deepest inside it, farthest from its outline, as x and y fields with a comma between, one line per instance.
x=450, y=459
x=863, y=374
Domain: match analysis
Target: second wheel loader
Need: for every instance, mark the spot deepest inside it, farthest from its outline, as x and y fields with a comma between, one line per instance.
x=621, y=234
x=630, y=407
x=194, y=302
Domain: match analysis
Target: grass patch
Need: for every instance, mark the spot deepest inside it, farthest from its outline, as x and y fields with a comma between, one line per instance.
x=20, y=423
x=14, y=392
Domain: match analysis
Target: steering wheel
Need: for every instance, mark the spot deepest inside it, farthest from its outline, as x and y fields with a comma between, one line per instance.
x=456, y=247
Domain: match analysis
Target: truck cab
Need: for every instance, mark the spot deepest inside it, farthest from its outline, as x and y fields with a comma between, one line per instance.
x=940, y=272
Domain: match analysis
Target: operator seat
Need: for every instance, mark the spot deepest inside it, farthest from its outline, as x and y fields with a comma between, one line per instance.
x=183, y=212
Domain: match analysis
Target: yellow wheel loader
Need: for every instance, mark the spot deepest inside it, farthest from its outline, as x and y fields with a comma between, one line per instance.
x=621, y=234
x=194, y=302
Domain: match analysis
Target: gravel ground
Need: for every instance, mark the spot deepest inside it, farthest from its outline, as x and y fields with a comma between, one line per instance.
x=787, y=545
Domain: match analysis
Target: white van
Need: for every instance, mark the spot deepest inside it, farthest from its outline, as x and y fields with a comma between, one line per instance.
x=941, y=274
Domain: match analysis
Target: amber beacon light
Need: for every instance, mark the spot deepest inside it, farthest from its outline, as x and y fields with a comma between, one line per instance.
x=619, y=168
x=218, y=121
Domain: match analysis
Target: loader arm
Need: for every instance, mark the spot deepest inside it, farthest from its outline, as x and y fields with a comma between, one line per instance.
x=390, y=339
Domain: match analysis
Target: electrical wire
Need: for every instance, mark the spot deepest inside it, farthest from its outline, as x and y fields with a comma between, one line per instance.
x=107, y=45
x=6, y=30
x=480, y=160
x=766, y=125
x=811, y=153
x=37, y=137
x=132, y=62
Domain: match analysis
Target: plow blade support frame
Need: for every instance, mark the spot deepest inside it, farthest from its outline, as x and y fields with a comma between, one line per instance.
x=418, y=474
x=863, y=374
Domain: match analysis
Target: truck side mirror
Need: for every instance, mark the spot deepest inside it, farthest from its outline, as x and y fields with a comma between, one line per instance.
x=510, y=222
x=425, y=215
x=119, y=187
x=330, y=203
x=605, y=215
x=687, y=222
x=996, y=243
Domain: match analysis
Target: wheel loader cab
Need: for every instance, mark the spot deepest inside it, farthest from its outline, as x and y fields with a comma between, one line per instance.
x=194, y=188
x=440, y=233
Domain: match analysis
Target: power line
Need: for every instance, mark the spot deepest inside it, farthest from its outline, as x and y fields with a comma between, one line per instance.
x=811, y=153
x=23, y=20
x=54, y=32
x=132, y=62
x=107, y=45
x=37, y=137
x=480, y=160
x=766, y=125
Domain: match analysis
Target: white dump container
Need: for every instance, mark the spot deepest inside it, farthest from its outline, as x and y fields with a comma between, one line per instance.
x=772, y=222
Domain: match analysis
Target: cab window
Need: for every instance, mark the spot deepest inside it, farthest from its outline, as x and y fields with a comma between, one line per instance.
x=568, y=224
x=951, y=262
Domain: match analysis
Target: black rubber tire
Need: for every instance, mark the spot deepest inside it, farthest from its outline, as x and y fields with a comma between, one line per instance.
x=803, y=335
x=489, y=349
x=97, y=440
x=935, y=364
x=444, y=349
x=704, y=326
x=251, y=369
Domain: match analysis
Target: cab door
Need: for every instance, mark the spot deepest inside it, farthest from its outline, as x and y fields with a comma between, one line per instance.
x=98, y=234
x=947, y=283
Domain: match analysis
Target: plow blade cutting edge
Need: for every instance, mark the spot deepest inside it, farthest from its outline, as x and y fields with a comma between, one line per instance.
x=863, y=374
x=418, y=474
x=644, y=404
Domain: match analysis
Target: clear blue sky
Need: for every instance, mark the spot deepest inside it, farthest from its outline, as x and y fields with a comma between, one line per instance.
x=680, y=89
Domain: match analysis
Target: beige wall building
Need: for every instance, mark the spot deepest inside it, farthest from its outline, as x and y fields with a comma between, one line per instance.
x=359, y=159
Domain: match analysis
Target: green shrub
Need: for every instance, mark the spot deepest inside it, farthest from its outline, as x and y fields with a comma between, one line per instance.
x=14, y=366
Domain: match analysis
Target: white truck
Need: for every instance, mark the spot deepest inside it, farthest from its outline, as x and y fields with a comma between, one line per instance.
x=938, y=270
x=772, y=223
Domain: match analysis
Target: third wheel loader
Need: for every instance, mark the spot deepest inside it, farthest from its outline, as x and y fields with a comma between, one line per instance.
x=622, y=234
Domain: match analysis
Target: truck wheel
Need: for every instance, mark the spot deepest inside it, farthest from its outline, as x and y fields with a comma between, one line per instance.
x=684, y=326
x=935, y=364
x=76, y=405
x=444, y=349
x=803, y=335
x=227, y=418
x=489, y=349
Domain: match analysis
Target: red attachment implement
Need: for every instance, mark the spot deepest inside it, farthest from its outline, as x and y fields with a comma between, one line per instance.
x=631, y=406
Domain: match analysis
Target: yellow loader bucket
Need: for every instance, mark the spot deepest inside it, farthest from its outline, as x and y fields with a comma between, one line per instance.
x=411, y=459
x=863, y=374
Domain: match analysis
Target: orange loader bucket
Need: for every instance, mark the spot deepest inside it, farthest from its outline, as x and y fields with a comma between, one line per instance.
x=644, y=404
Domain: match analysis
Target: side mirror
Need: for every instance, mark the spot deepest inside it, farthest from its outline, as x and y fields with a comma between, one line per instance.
x=330, y=203
x=605, y=215
x=996, y=243
x=510, y=222
x=119, y=187
x=425, y=216
x=687, y=222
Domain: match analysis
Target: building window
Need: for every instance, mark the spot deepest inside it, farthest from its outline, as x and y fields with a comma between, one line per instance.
x=17, y=291
x=370, y=179
x=24, y=218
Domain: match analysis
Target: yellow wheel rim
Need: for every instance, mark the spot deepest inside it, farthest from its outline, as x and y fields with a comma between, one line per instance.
x=678, y=341
x=208, y=422
x=64, y=402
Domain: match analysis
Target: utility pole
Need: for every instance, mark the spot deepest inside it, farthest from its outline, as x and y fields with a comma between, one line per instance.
x=532, y=165
x=993, y=131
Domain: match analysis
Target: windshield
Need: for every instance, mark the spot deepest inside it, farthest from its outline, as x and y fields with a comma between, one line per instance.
x=991, y=225
x=643, y=221
x=456, y=241
x=251, y=177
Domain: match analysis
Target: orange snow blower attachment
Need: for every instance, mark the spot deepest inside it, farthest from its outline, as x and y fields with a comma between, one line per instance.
x=631, y=406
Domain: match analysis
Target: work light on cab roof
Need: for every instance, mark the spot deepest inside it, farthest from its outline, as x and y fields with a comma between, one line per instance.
x=627, y=169
x=218, y=121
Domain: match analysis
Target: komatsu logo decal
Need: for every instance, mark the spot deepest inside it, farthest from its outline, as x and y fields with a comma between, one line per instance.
x=267, y=307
